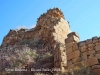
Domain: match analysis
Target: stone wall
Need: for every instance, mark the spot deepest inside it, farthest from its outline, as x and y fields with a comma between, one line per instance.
x=82, y=54
x=55, y=33
x=51, y=27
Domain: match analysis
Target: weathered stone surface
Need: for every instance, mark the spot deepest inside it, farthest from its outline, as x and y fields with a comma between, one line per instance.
x=83, y=48
x=69, y=50
x=69, y=62
x=77, y=59
x=91, y=46
x=91, y=62
x=82, y=43
x=50, y=27
x=89, y=52
x=97, y=47
x=64, y=63
x=84, y=57
x=75, y=47
x=68, y=45
x=73, y=55
x=88, y=41
x=98, y=52
x=97, y=56
x=73, y=33
x=62, y=48
x=72, y=39
x=71, y=66
x=63, y=58
x=96, y=71
x=95, y=66
x=91, y=56
x=95, y=41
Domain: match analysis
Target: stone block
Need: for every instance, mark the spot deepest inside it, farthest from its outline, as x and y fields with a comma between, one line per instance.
x=96, y=71
x=88, y=53
x=72, y=39
x=90, y=45
x=77, y=59
x=92, y=52
x=95, y=66
x=76, y=39
x=98, y=43
x=98, y=52
x=90, y=56
x=95, y=41
x=97, y=56
x=71, y=66
x=75, y=47
x=84, y=47
x=69, y=44
x=84, y=57
x=91, y=62
x=84, y=50
x=69, y=50
x=69, y=62
x=67, y=40
x=78, y=64
x=91, y=48
x=73, y=33
x=88, y=41
x=82, y=43
x=97, y=47
x=73, y=55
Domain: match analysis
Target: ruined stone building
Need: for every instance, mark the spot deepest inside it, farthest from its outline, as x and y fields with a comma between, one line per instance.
x=51, y=34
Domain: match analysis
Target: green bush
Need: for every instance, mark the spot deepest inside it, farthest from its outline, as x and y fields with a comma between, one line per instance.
x=47, y=55
x=32, y=54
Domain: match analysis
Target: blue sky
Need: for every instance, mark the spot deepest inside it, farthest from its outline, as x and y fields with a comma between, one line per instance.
x=83, y=15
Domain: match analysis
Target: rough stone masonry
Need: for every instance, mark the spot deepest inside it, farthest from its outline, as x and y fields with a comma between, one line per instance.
x=56, y=36
x=86, y=53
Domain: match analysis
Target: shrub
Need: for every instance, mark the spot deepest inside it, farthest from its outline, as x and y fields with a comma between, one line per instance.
x=80, y=71
x=23, y=59
x=37, y=42
x=46, y=57
x=32, y=54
